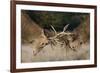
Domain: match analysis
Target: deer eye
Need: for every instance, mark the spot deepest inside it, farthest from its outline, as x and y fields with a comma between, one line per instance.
x=80, y=43
x=31, y=41
x=42, y=44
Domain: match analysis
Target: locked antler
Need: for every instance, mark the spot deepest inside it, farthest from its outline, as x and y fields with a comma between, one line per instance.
x=66, y=26
x=54, y=30
x=61, y=37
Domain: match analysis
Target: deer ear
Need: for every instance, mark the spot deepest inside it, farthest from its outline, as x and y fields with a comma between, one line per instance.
x=43, y=31
x=31, y=41
x=47, y=33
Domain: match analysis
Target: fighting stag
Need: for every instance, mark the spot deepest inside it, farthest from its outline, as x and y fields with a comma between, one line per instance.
x=65, y=38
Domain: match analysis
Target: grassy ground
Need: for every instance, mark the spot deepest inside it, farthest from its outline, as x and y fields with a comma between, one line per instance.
x=56, y=53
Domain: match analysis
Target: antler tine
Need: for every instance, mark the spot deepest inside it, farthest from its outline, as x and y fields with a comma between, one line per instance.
x=66, y=26
x=53, y=29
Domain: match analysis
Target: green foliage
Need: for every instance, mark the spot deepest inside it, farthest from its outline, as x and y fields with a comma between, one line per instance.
x=57, y=19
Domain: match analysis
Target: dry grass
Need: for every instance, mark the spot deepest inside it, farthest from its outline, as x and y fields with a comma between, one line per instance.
x=58, y=53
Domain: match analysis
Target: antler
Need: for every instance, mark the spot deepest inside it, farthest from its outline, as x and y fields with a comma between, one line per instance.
x=53, y=29
x=66, y=26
